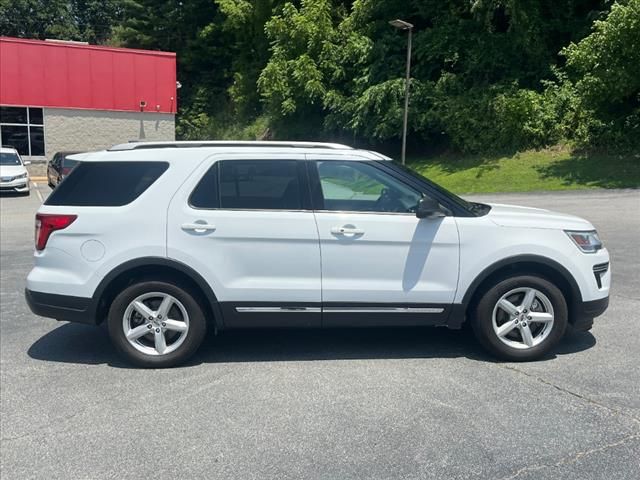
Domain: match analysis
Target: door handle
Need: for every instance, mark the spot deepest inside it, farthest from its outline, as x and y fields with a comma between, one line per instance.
x=198, y=227
x=346, y=230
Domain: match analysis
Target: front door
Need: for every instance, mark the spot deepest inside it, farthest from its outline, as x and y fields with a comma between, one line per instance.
x=380, y=263
x=245, y=224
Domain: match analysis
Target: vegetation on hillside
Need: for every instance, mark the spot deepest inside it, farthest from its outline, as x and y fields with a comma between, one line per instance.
x=555, y=168
x=487, y=76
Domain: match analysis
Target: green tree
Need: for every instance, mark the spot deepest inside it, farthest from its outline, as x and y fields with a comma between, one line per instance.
x=244, y=23
x=194, y=31
x=37, y=19
x=315, y=55
x=83, y=20
x=340, y=67
x=604, y=69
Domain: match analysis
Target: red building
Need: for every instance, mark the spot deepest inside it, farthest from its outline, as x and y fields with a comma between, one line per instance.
x=69, y=96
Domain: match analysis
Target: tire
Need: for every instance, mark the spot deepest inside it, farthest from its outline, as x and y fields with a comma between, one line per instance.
x=506, y=337
x=183, y=331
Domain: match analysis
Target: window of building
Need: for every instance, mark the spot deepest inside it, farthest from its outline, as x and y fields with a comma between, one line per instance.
x=23, y=129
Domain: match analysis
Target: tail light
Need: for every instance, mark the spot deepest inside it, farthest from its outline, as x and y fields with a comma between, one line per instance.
x=46, y=224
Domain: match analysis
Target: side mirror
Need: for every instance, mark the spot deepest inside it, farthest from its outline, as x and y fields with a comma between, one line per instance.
x=27, y=162
x=430, y=208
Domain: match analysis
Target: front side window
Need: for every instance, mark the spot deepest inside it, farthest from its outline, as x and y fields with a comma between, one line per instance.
x=23, y=129
x=260, y=185
x=353, y=186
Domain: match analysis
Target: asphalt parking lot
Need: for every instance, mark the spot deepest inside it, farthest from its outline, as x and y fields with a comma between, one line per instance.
x=367, y=404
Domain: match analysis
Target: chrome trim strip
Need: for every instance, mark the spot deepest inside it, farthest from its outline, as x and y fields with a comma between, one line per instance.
x=367, y=212
x=601, y=267
x=278, y=309
x=339, y=309
x=382, y=309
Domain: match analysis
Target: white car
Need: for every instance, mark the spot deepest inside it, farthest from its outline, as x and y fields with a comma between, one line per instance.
x=166, y=240
x=13, y=174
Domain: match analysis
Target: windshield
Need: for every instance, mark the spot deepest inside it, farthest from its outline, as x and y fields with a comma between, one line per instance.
x=453, y=197
x=9, y=158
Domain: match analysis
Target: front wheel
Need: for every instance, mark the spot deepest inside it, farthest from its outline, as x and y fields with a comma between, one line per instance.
x=155, y=324
x=521, y=318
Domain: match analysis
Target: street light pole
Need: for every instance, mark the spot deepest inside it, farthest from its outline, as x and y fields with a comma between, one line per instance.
x=402, y=25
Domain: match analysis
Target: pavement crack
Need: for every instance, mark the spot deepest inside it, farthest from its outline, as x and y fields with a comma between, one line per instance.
x=562, y=389
x=569, y=459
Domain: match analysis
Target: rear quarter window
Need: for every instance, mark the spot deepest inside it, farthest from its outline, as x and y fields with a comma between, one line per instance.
x=106, y=184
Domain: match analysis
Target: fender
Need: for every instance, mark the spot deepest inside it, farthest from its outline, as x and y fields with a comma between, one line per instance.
x=576, y=295
x=169, y=263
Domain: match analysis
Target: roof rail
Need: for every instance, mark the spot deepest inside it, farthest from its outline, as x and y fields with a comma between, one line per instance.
x=225, y=143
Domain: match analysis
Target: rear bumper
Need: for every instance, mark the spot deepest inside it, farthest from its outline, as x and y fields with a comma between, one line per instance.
x=61, y=307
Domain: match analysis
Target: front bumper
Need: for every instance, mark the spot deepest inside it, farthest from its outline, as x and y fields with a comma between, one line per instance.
x=583, y=313
x=21, y=185
x=61, y=307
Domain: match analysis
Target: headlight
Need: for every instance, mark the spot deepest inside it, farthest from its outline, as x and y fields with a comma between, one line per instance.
x=588, y=242
x=22, y=175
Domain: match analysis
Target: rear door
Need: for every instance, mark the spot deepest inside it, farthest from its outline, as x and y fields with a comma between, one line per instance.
x=245, y=223
x=380, y=263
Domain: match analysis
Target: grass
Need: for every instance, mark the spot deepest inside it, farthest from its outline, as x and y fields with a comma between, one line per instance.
x=552, y=169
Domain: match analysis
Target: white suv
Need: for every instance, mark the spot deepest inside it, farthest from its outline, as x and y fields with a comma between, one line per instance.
x=167, y=240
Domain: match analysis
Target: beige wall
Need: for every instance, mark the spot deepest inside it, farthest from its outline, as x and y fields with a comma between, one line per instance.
x=85, y=130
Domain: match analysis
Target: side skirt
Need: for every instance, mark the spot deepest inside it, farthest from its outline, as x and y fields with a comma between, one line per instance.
x=330, y=315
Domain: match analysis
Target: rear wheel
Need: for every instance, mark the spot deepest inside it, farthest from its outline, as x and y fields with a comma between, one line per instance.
x=156, y=324
x=521, y=318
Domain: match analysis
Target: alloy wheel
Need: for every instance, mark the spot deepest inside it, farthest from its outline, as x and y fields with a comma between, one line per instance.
x=155, y=323
x=523, y=318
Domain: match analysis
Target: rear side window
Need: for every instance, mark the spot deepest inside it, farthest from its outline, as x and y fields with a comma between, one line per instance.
x=106, y=184
x=260, y=184
x=250, y=185
x=206, y=194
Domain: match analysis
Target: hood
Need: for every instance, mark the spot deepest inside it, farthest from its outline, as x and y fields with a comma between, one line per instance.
x=11, y=170
x=514, y=216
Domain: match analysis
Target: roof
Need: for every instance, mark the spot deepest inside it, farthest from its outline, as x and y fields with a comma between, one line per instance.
x=225, y=143
x=198, y=150
x=72, y=75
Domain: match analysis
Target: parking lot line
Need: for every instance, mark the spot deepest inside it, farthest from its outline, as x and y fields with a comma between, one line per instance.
x=35, y=185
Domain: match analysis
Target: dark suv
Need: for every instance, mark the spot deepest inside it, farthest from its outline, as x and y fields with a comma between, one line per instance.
x=59, y=167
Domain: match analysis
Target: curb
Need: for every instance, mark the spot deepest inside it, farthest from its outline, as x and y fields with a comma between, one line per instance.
x=38, y=179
